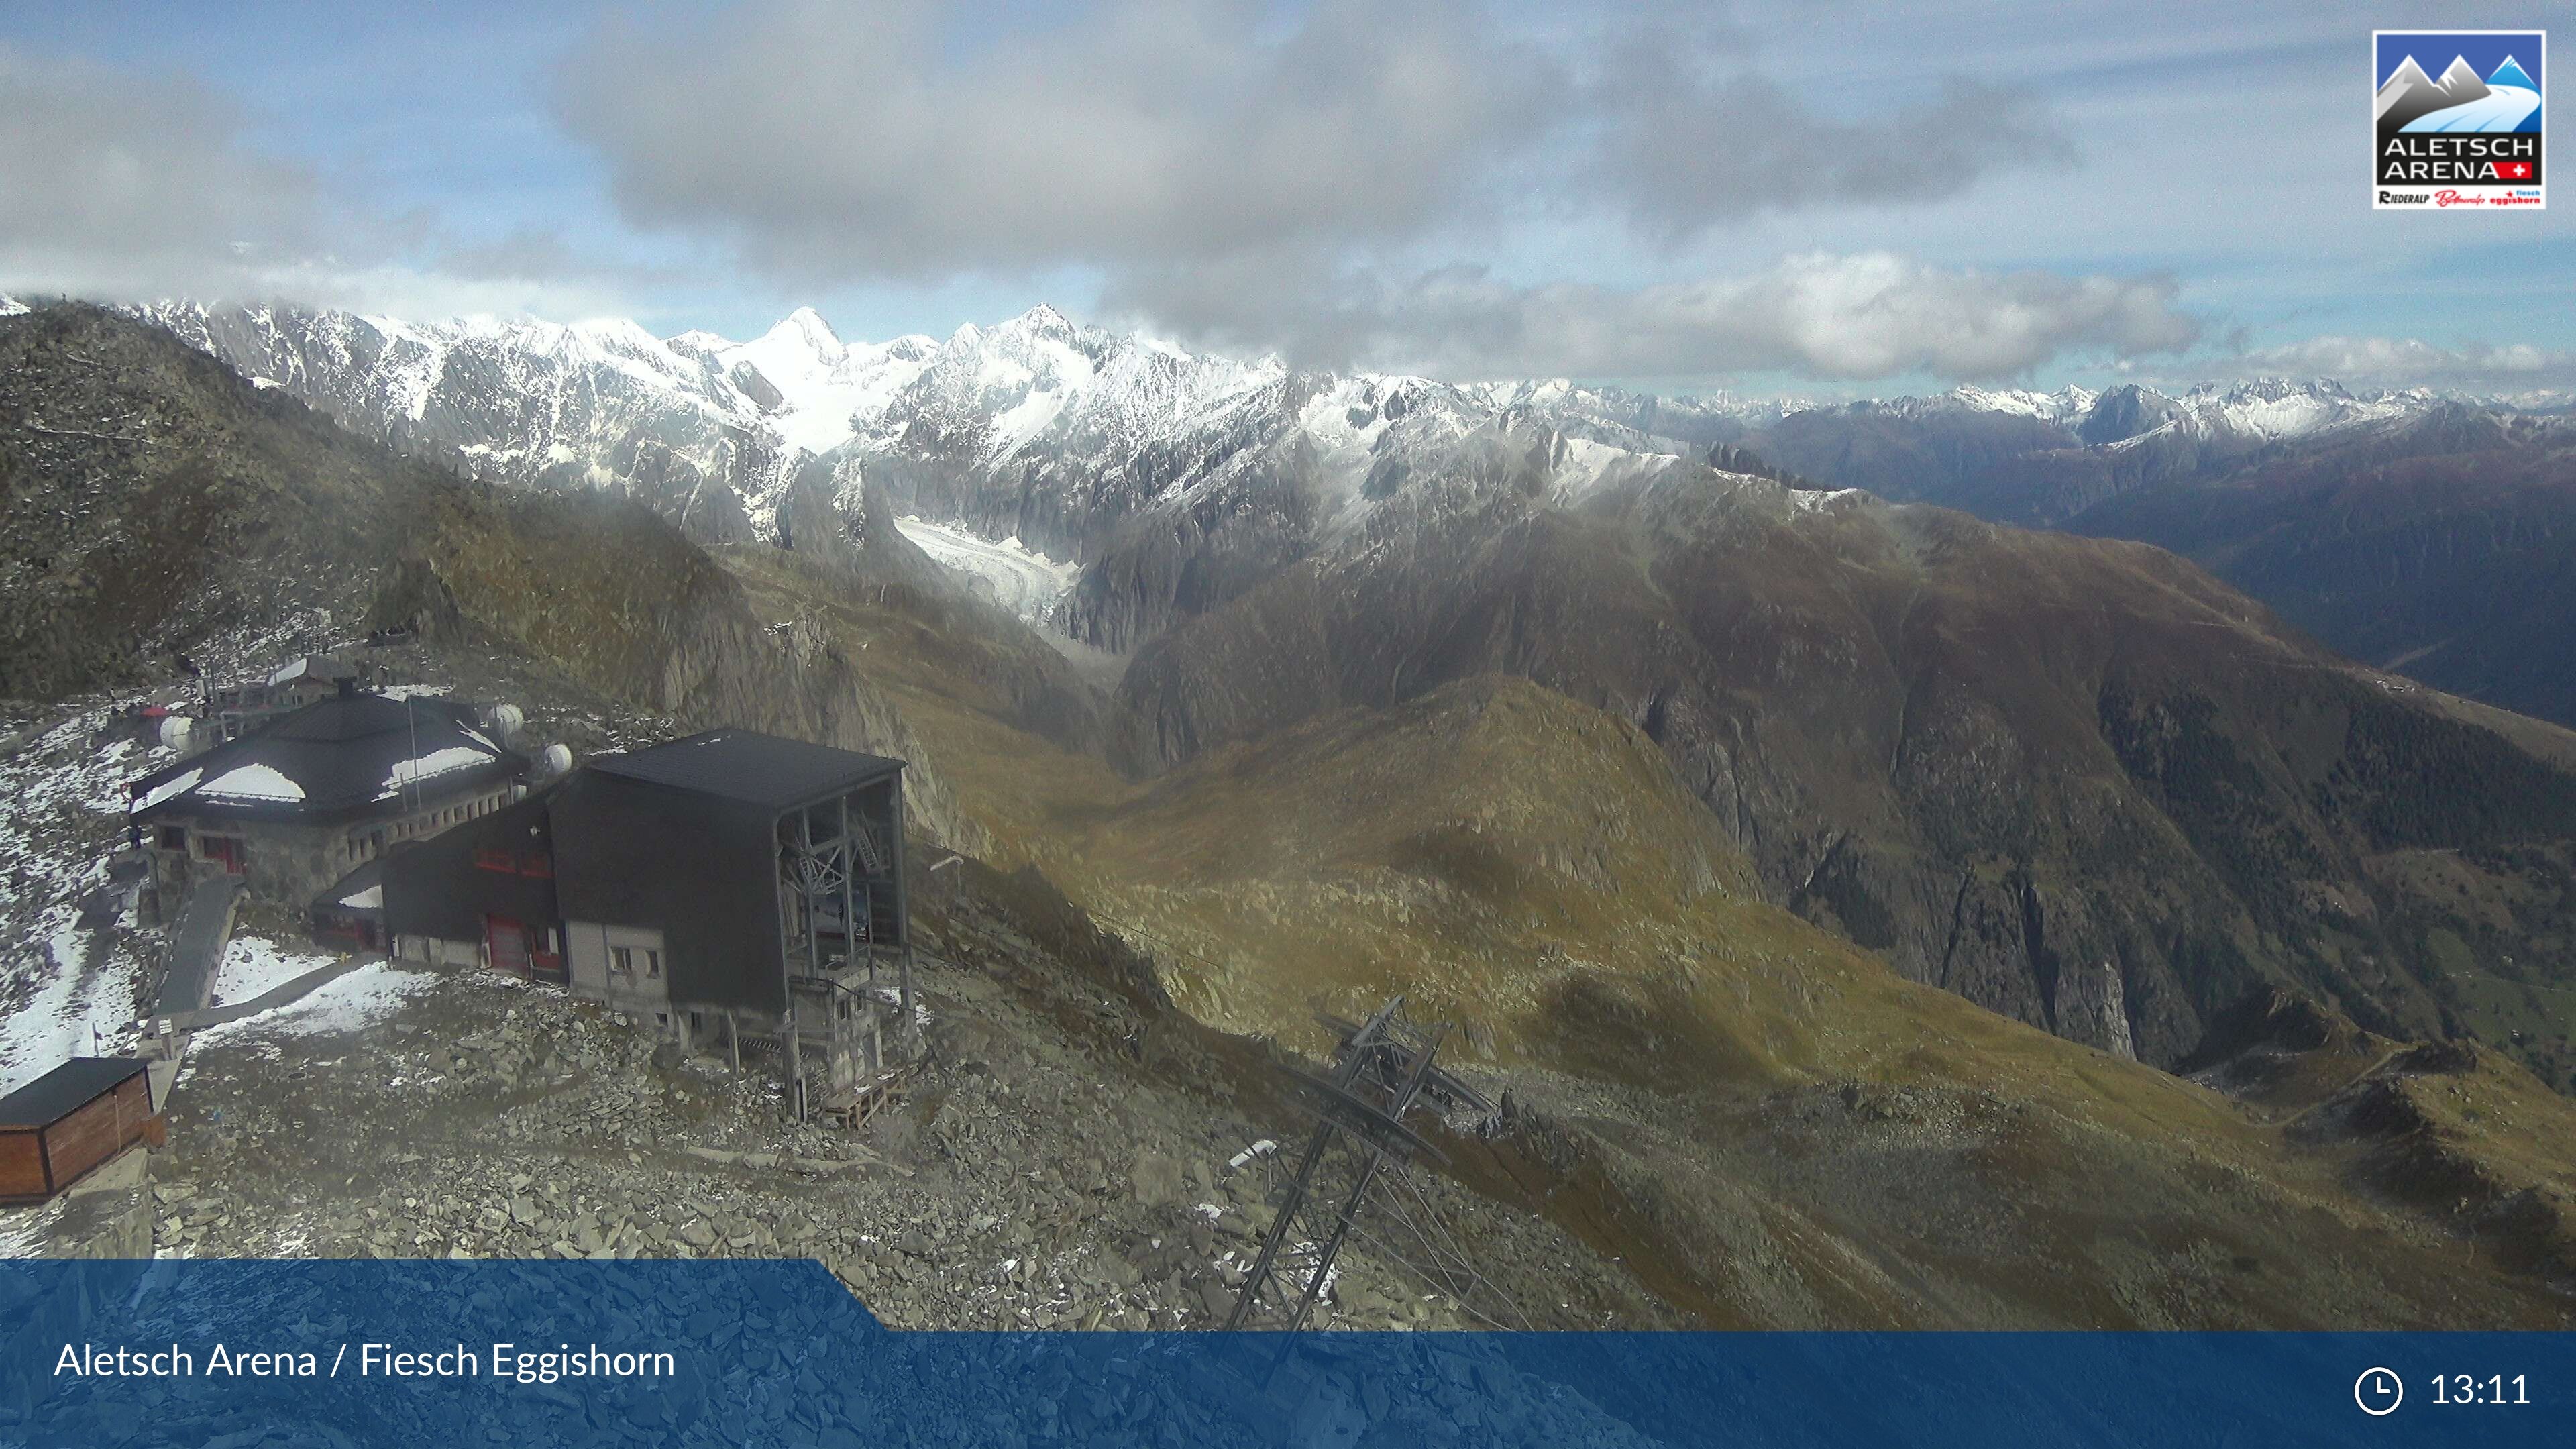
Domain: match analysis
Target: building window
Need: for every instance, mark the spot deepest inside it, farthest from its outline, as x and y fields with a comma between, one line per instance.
x=621, y=959
x=172, y=837
x=653, y=963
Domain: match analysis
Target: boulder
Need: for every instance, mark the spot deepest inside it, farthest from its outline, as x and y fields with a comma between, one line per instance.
x=1156, y=1180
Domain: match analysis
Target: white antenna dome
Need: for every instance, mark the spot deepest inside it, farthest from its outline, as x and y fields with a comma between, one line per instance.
x=174, y=731
x=555, y=761
x=504, y=720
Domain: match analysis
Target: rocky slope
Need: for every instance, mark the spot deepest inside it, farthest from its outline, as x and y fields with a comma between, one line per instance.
x=1719, y=1113
x=2444, y=549
x=1185, y=476
x=1180, y=480
x=154, y=502
x=2080, y=782
x=2423, y=534
x=2040, y=458
x=1778, y=1129
x=535, y=404
x=1867, y=697
x=157, y=502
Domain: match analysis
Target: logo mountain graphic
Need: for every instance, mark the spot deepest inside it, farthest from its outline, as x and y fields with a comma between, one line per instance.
x=2459, y=101
x=2453, y=138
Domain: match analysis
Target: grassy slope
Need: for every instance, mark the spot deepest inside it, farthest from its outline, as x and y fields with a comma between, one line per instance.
x=1790, y=1131
x=2028, y=767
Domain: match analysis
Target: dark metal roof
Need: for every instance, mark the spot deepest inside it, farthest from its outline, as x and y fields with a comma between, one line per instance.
x=354, y=754
x=746, y=765
x=370, y=875
x=64, y=1090
x=324, y=668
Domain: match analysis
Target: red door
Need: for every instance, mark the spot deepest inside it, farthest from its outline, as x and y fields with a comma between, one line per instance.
x=507, y=941
x=227, y=850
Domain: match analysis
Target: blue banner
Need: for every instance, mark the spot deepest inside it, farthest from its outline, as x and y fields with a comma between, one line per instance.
x=242, y=1354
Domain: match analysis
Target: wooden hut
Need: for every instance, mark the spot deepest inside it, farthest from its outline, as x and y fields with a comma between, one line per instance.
x=57, y=1128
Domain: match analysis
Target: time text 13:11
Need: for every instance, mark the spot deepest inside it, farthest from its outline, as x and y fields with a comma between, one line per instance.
x=2470, y=1389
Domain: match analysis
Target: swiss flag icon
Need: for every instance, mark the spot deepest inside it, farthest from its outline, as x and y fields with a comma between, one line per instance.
x=2513, y=170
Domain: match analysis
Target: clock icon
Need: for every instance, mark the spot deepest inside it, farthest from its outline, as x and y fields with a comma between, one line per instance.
x=2378, y=1391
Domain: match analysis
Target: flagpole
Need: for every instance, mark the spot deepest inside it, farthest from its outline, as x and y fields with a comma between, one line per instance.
x=411, y=716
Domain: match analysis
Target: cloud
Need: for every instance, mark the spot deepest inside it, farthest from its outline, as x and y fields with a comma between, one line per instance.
x=115, y=180
x=2412, y=362
x=1682, y=148
x=119, y=185
x=830, y=142
x=833, y=145
x=1863, y=316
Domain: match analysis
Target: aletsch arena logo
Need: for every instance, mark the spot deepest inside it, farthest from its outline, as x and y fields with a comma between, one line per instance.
x=2465, y=135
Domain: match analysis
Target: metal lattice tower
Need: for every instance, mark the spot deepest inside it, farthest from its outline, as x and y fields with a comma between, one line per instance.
x=1382, y=1070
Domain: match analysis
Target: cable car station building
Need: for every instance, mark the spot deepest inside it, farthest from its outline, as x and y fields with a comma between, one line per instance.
x=731, y=887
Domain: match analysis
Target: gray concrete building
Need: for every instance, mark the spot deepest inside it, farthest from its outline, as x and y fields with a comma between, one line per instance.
x=294, y=805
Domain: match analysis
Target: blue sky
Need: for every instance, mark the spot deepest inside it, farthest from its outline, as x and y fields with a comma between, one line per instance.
x=1830, y=199
x=2485, y=49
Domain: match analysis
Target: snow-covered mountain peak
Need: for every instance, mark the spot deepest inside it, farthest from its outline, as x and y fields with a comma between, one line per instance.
x=807, y=326
x=2059, y=406
x=1041, y=320
x=1063, y=434
x=620, y=334
x=817, y=390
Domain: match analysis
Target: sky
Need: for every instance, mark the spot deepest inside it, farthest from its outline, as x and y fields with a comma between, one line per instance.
x=1821, y=200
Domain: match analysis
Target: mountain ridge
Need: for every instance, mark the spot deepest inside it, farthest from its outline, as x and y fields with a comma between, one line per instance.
x=735, y=412
x=1699, y=1078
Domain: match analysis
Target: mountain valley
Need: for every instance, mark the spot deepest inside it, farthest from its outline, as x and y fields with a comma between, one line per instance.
x=1877, y=916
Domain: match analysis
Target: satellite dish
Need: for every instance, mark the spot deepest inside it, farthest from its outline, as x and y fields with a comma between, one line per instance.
x=555, y=761
x=174, y=731
x=504, y=720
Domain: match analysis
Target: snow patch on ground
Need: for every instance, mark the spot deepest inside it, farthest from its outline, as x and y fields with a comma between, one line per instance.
x=351, y=1003
x=23, y=1233
x=253, y=965
x=1582, y=468
x=1812, y=500
x=82, y=1007
x=63, y=991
